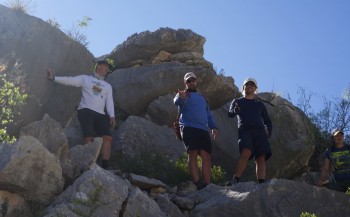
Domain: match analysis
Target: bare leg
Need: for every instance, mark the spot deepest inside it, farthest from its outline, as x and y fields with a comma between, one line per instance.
x=260, y=167
x=206, y=166
x=242, y=162
x=106, y=147
x=192, y=164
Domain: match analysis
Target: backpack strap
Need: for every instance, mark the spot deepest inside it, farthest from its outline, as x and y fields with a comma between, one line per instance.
x=179, y=111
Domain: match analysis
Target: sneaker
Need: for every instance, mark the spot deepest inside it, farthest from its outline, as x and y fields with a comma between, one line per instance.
x=231, y=182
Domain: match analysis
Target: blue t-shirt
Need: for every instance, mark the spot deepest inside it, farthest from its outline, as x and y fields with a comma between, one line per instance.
x=252, y=114
x=195, y=112
x=340, y=162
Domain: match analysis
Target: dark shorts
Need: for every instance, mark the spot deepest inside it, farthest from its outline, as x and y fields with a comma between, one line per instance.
x=256, y=141
x=196, y=139
x=338, y=186
x=93, y=123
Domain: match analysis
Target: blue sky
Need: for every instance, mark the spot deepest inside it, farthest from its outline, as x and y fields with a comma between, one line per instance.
x=284, y=44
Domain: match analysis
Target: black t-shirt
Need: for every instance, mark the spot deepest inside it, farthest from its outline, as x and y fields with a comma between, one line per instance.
x=252, y=114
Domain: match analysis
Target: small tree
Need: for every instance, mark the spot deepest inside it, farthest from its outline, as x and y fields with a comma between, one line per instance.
x=11, y=99
x=334, y=114
x=53, y=22
x=304, y=101
x=342, y=118
x=75, y=32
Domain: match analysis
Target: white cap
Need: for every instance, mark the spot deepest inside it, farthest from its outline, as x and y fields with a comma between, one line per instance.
x=336, y=131
x=252, y=80
x=189, y=75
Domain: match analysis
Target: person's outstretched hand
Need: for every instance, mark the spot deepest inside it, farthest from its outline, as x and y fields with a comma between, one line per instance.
x=182, y=93
x=236, y=109
x=50, y=75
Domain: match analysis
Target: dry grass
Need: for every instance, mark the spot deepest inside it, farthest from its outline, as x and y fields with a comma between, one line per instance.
x=21, y=6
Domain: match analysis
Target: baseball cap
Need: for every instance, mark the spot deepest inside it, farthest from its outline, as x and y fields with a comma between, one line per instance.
x=189, y=75
x=103, y=62
x=336, y=131
x=250, y=79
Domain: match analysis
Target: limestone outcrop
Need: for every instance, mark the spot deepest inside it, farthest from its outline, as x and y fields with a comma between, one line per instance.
x=49, y=170
x=28, y=47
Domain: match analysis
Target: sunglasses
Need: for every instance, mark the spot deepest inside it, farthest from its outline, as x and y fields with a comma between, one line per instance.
x=190, y=81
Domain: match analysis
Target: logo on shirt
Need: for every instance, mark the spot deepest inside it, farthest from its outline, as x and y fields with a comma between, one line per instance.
x=96, y=88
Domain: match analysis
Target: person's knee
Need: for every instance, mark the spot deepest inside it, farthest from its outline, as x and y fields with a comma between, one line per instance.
x=245, y=154
x=107, y=139
x=260, y=160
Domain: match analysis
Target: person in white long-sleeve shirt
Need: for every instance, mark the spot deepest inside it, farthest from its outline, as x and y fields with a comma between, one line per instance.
x=96, y=96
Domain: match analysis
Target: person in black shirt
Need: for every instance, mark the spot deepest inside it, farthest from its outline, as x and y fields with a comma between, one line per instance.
x=336, y=163
x=254, y=128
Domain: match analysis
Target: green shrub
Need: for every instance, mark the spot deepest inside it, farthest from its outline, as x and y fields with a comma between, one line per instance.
x=218, y=175
x=348, y=191
x=151, y=165
x=11, y=98
x=306, y=214
x=4, y=207
x=158, y=166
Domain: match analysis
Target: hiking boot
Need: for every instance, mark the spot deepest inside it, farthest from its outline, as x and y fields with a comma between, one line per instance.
x=261, y=181
x=231, y=182
x=200, y=185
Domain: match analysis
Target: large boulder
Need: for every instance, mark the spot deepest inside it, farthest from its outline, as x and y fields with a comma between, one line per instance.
x=50, y=134
x=135, y=88
x=291, y=141
x=16, y=205
x=140, y=204
x=162, y=111
x=276, y=198
x=145, y=183
x=28, y=46
x=30, y=170
x=225, y=148
x=73, y=132
x=168, y=207
x=138, y=135
x=84, y=156
x=96, y=193
x=163, y=45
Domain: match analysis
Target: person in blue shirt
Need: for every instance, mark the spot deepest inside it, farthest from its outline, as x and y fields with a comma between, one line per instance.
x=195, y=122
x=254, y=128
x=337, y=160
